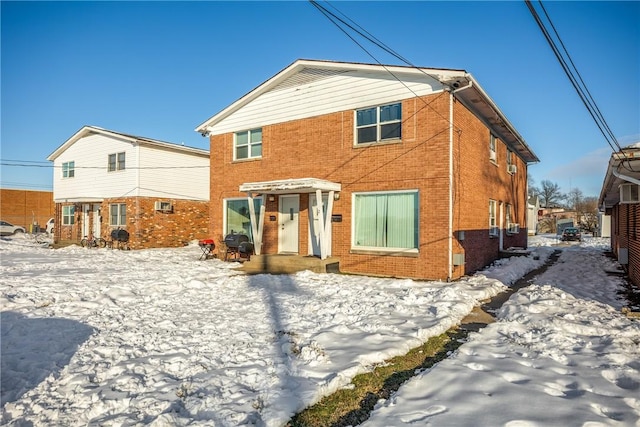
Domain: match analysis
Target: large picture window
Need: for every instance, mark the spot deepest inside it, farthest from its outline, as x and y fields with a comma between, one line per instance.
x=386, y=221
x=238, y=219
x=377, y=124
x=68, y=169
x=68, y=215
x=118, y=214
x=248, y=144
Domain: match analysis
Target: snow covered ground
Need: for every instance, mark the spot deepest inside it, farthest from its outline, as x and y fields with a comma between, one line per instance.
x=157, y=337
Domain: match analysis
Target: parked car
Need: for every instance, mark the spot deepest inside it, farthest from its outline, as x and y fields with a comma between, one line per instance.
x=49, y=227
x=7, y=229
x=571, y=234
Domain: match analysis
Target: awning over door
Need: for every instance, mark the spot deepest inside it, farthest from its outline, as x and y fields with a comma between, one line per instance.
x=293, y=186
x=286, y=186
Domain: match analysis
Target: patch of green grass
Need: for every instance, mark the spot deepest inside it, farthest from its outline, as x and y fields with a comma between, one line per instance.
x=352, y=406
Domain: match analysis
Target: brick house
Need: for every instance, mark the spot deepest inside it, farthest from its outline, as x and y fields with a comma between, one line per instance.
x=620, y=201
x=26, y=208
x=391, y=170
x=106, y=180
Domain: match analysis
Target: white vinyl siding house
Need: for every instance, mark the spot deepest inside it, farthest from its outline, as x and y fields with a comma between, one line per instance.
x=105, y=181
x=153, y=169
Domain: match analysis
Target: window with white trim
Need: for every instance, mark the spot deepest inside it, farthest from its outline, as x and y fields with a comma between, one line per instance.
x=68, y=169
x=493, y=221
x=378, y=124
x=237, y=216
x=116, y=162
x=512, y=227
x=68, y=214
x=118, y=214
x=386, y=221
x=493, y=144
x=247, y=144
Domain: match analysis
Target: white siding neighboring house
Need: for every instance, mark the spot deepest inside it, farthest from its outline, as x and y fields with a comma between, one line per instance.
x=533, y=208
x=105, y=180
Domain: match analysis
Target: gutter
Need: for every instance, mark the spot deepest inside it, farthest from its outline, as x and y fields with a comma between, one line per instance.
x=625, y=177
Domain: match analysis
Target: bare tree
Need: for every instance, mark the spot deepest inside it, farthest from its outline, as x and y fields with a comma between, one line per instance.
x=533, y=190
x=587, y=212
x=550, y=194
x=574, y=198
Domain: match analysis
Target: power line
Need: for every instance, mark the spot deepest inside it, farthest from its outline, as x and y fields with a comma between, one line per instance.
x=574, y=76
x=30, y=164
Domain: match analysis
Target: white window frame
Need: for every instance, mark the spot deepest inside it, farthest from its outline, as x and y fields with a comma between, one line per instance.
x=250, y=144
x=119, y=161
x=225, y=206
x=68, y=214
x=121, y=220
x=378, y=125
x=493, y=218
x=381, y=249
x=69, y=169
x=493, y=148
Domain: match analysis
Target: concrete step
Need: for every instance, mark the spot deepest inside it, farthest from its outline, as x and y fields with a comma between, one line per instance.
x=288, y=264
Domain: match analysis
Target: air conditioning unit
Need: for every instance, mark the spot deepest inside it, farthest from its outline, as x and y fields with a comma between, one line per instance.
x=629, y=193
x=512, y=169
x=163, y=206
x=493, y=232
x=513, y=228
x=492, y=156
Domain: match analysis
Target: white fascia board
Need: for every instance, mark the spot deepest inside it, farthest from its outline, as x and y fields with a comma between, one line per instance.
x=440, y=75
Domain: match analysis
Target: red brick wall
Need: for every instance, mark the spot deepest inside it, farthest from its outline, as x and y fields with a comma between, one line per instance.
x=476, y=181
x=147, y=227
x=625, y=233
x=24, y=207
x=322, y=147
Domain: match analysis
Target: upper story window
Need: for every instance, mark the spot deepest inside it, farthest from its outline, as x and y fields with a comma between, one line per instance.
x=511, y=165
x=378, y=124
x=248, y=144
x=116, y=162
x=493, y=144
x=68, y=169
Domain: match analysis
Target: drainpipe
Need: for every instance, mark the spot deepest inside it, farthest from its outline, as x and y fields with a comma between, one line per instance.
x=450, y=234
x=450, y=238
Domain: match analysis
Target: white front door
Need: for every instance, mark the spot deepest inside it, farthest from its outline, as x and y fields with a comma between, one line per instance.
x=96, y=220
x=86, y=231
x=314, y=224
x=288, y=224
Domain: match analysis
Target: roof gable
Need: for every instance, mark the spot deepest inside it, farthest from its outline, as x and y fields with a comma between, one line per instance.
x=89, y=130
x=301, y=79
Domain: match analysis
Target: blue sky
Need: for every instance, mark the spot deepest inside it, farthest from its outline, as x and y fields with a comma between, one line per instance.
x=159, y=69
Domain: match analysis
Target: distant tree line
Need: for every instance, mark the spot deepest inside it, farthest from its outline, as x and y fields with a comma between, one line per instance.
x=550, y=196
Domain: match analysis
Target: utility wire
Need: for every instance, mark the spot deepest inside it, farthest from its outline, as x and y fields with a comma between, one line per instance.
x=584, y=94
x=335, y=19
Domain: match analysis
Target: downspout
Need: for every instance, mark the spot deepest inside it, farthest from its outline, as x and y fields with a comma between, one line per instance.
x=450, y=238
x=450, y=234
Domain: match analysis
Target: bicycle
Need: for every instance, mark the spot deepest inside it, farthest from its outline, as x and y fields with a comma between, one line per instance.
x=92, y=242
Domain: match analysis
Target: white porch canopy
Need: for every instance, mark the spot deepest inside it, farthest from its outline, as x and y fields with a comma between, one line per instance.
x=288, y=186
